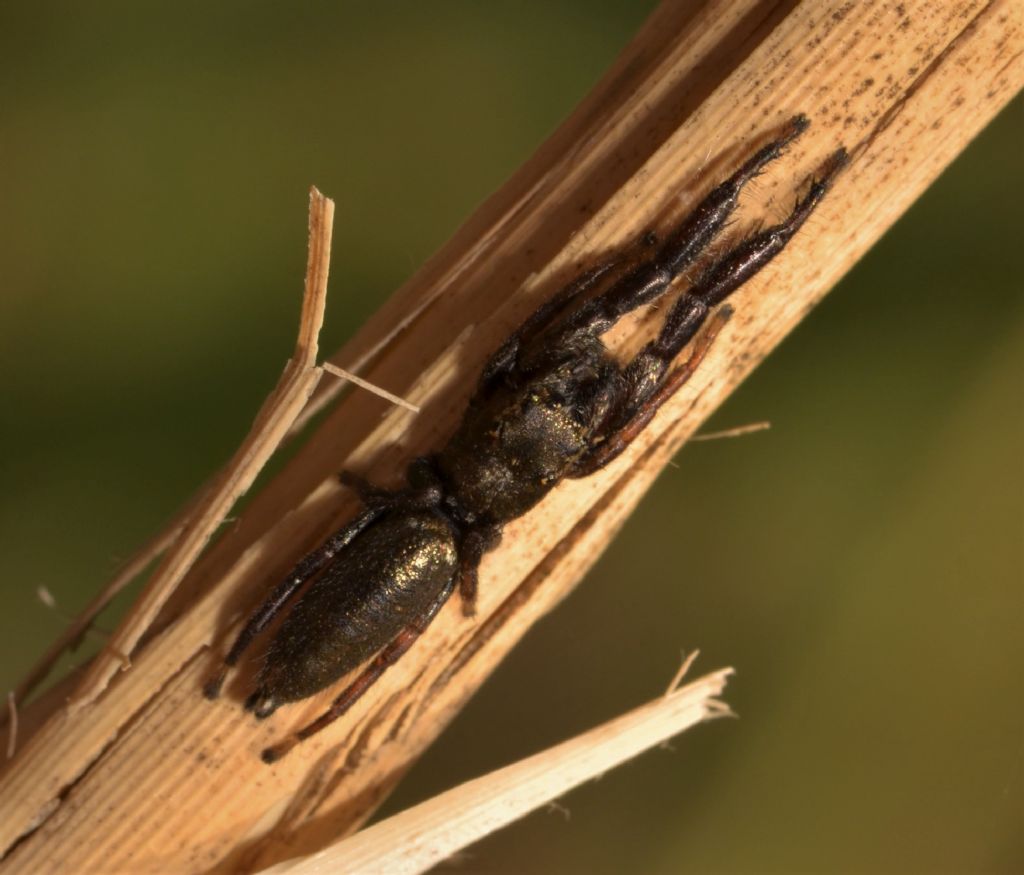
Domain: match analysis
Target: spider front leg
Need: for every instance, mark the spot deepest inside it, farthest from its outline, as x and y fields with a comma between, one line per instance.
x=649, y=384
x=504, y=361
x=645, y=398
x=651, y=279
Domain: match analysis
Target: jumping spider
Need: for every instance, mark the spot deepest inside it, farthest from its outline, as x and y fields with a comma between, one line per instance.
x=551, y=403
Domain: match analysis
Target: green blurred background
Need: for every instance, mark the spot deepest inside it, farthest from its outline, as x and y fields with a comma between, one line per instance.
x=860, y=565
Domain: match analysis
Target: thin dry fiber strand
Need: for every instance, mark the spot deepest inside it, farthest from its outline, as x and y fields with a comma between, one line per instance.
x=150, y=776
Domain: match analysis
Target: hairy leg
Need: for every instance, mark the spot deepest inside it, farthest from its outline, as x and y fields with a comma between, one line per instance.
x=653, y=278
x=647, y=386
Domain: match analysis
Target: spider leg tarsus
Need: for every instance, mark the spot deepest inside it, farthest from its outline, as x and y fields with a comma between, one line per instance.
x=261, y=704
x=212, y=688
x=271, y=755
x=797, y=125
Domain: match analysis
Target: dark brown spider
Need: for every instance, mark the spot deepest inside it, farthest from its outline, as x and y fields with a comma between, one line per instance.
x=551, y=403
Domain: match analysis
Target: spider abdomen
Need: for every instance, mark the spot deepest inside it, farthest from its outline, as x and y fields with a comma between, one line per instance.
x=374, y=588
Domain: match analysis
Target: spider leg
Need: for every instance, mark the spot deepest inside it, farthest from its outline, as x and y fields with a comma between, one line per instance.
x=474, y=545
x=651, y=279
x=424, y=488
x=504, y=360
x=281, y=594
x=370, y=675
x=753, y=253
x=370, y=495
x=638, y=408
x=647, y=378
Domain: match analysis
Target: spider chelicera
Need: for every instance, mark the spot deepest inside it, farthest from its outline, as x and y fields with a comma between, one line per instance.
x=551, y=403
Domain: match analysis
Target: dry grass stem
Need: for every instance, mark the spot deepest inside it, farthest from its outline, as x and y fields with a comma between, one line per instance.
x=144, y=774
x=421, y=837
x=272, y=423
x=321, y=222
